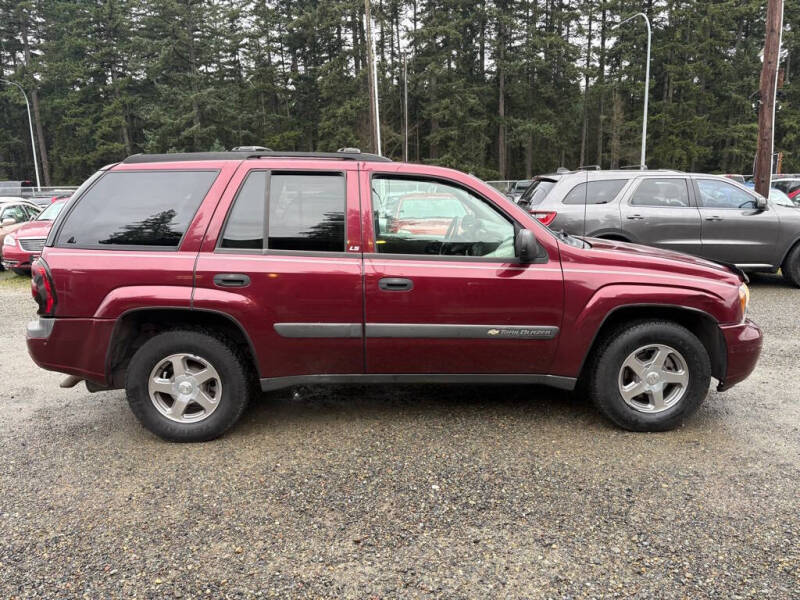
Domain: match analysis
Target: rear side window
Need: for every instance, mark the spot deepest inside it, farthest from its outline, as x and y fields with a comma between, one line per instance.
x=245, y=226
x=661, y=192
x=600, y=192
x=305, y=212
x=136, y=208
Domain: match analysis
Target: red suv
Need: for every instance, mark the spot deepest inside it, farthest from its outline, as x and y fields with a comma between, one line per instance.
x=192, y=280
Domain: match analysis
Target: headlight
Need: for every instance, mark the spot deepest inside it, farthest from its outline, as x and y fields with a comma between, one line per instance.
x=744, y=299
x=10, y=240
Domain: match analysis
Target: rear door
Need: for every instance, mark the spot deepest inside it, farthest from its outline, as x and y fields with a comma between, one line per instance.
x=733, y=229
x=282, y=257
x=659, y=211
x=448, y=295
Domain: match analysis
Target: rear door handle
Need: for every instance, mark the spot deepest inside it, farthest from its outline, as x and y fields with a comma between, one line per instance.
x=714, y=218
x=635, y=217
x=395, y=284
x=231, y=280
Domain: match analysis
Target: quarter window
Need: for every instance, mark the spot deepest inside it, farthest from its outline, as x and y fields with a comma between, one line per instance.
x=599, y=192
x=136, y=208
x=669, y=192
x=306, y=212
x=434, y=218
x=721, y=194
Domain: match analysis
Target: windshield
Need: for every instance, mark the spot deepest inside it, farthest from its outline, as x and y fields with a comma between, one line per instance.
x=778, y=197
x=51, y=212
x=537, y=192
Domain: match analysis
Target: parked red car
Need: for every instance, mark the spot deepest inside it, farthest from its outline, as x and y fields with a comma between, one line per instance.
x=23, y=246
x=191, y=279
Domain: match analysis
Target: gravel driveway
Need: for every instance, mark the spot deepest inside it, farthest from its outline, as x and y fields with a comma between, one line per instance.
x=412, y=492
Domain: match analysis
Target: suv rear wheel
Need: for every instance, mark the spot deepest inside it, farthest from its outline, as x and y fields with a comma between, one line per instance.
x=650, y=375
x=791, y=267
x=187, y=386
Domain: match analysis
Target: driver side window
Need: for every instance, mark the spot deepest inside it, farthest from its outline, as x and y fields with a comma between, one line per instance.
x=433, y=218
x=720, y=194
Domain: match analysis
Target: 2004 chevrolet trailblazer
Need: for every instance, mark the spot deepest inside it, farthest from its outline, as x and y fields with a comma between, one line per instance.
x=190, y=279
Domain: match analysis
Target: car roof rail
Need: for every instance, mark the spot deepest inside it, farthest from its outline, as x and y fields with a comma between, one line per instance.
x=242, y=155
x=633, y=168
x=589, y=168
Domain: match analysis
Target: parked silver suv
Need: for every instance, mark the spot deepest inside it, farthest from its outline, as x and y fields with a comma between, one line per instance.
x=706, y=215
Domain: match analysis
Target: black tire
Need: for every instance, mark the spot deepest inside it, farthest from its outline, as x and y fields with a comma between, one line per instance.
x=22, y=272
x=618, y=345
x=791, y=267
x=222, y=354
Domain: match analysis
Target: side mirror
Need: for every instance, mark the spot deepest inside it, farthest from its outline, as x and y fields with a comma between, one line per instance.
x=526, y=248
x=8, y=221
x=761, y=203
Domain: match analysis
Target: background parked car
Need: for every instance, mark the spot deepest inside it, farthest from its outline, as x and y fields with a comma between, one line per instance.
x=21, y=247
x=12, y=216
x=706, y=215
x=789, y=186
x=519, y=188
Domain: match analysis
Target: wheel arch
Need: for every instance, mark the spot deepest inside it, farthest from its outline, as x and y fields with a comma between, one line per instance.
x=612, y=234
x=699, y=322
x=791, y=246
x=133, y=327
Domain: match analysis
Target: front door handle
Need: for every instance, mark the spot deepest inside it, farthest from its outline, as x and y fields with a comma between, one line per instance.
x=635, y=217
x=714, y=218
x=395, y=284
x=231, y=280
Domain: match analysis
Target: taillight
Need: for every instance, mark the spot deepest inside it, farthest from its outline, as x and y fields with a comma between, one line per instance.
x=545, y=216
x=42, y=288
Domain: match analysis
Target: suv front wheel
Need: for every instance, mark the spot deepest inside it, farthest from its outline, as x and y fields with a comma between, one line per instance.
x=187, y=386
x=650, y=375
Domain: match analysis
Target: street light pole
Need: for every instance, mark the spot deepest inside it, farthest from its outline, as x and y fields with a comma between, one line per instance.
x=30, y=125
x=642, y=163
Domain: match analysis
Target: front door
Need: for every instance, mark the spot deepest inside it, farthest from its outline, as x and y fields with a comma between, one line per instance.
x=733, y=229
x=658, y=212
x=281, y=267
x=444, y=292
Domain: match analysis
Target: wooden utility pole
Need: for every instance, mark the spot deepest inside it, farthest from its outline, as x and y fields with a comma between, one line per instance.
x=371, y=76
x=767, y=88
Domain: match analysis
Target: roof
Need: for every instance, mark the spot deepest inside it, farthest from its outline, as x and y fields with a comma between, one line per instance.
x=240, y=155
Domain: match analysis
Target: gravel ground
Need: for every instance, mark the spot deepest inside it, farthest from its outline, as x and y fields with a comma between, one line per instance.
x=416, y=492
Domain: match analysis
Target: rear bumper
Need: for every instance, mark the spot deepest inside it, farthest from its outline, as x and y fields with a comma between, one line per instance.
x=73, y=346
x=743, y=344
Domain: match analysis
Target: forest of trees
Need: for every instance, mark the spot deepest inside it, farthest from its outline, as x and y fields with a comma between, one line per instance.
x=501, y=88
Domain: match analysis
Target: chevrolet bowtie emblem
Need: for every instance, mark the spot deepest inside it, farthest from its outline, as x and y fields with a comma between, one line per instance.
x=493, y=332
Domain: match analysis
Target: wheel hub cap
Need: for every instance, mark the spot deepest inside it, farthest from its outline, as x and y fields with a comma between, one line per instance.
x=653, y=378
x=185, y=388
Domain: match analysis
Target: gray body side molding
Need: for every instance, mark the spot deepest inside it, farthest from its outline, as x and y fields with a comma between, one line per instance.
x=414, y=330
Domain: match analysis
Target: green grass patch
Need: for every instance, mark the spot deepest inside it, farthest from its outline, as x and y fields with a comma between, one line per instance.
x=10, y=280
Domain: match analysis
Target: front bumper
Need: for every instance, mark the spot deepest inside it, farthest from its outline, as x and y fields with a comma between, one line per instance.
x=743, y=344
x=14, y=259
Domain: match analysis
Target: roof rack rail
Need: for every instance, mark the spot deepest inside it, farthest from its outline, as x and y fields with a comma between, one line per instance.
x=242, y=155
x=251, y=149
x=589, y=168
x=633, y=168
